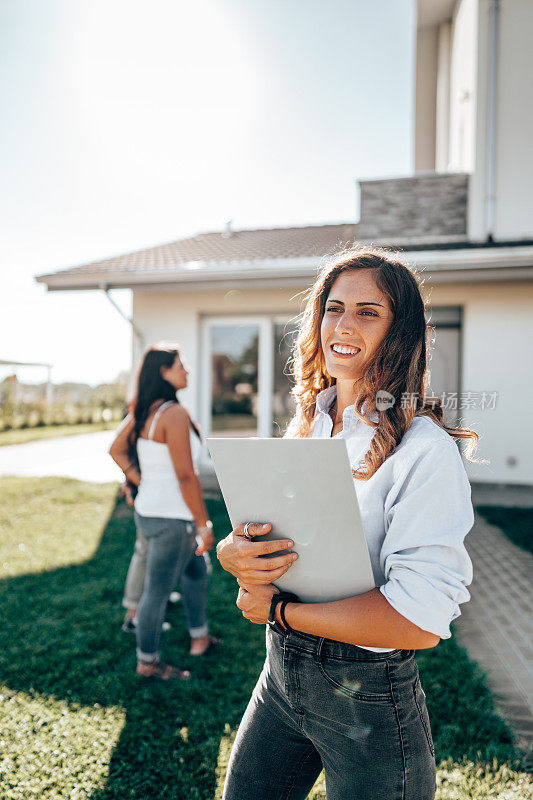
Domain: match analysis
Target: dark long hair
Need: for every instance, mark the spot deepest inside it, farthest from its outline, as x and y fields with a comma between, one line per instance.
x=399, y=366
x=151, y=386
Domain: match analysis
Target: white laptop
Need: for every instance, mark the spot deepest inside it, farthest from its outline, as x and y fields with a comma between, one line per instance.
x=304, y=488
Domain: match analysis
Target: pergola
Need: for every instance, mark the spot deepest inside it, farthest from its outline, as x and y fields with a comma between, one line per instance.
x=48, y=367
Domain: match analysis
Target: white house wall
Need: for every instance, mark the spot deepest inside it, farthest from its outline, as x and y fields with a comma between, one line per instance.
x=426, y=98
x=497, y=341
x=463, y=75
x=513, y=212
x=442, y=127
x=514, y=133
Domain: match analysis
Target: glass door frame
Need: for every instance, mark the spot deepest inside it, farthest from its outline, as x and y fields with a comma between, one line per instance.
x=265, y=367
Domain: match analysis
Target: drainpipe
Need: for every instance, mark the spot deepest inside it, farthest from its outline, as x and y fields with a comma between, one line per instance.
x=135, y=329
x=491, y=119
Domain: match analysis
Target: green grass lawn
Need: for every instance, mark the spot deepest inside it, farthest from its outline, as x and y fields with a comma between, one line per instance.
x=516, y=523
x=78, y=724
x=23, y=435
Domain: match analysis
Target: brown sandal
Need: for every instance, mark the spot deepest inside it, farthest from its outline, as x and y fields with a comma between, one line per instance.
x=213, y=642
x=162, y=671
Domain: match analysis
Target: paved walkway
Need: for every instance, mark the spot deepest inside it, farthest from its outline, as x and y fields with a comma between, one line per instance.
x=82, y=456
x=498, y=494
x=496, y=626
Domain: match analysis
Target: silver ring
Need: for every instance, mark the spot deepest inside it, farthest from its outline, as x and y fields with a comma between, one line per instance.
x=246, y=533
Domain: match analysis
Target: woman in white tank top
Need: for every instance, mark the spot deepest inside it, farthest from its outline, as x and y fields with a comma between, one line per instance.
x=170, y=513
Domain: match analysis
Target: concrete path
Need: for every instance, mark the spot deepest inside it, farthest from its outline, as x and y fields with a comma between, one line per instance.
x=82, y=456
x=496, y=626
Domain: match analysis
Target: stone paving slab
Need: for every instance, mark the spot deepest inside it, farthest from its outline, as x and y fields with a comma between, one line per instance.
x=496, y=625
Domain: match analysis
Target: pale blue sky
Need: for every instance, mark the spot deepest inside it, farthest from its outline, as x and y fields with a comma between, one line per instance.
x=127, y=124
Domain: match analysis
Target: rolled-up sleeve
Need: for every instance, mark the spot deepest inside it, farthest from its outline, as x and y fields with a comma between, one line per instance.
x=428, y=513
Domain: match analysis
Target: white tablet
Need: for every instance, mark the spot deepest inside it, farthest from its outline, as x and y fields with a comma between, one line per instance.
x=304, y=488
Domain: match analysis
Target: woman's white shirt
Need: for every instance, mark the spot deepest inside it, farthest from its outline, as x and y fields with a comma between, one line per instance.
x=416, y=511
x=159, y=492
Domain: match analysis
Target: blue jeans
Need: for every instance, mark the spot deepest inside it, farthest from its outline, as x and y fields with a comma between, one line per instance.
x=171, y=558
x=358, y=714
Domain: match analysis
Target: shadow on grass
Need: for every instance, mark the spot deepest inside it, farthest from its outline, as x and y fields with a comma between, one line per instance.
x=61, y=637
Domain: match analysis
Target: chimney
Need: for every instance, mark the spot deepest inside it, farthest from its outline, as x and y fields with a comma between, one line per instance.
x=227, y=233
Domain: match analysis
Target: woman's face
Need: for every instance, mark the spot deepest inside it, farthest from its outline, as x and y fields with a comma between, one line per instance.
x=357, y=316
x=177, y=374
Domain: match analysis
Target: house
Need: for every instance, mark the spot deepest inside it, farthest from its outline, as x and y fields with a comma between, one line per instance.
x=465, y=217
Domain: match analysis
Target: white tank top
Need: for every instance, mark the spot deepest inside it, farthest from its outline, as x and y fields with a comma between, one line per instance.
x=159, y=493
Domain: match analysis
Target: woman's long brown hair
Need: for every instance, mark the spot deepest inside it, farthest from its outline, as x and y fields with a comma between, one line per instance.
x=151, y=386
x=399, y=366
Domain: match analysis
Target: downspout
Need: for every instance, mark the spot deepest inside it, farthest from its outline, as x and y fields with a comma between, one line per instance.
x=491, y=119
x=135, y=329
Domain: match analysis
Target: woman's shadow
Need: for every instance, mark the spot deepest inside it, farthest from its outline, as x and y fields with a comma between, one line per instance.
x=60, y=637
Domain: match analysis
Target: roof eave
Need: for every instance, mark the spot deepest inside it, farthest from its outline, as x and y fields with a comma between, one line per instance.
x=195, y=272
x=462, y=265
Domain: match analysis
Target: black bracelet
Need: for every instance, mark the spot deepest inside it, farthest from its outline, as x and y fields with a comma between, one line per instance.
x=279, y=597
x=282, y=614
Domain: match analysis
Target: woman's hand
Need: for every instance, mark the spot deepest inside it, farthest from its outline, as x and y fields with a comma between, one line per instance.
x=254, y=602
x=208, y=540
x=239, y=555
x=125, y=491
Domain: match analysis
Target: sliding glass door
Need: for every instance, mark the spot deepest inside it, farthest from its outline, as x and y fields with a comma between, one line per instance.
x=245, y=386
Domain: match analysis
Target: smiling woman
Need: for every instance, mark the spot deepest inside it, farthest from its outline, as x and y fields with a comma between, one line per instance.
x=370, y=300
x=340, y=688
x=352, y=331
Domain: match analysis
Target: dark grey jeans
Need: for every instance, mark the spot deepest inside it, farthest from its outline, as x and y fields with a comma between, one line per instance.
x=170, y=558
x=358, y=714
